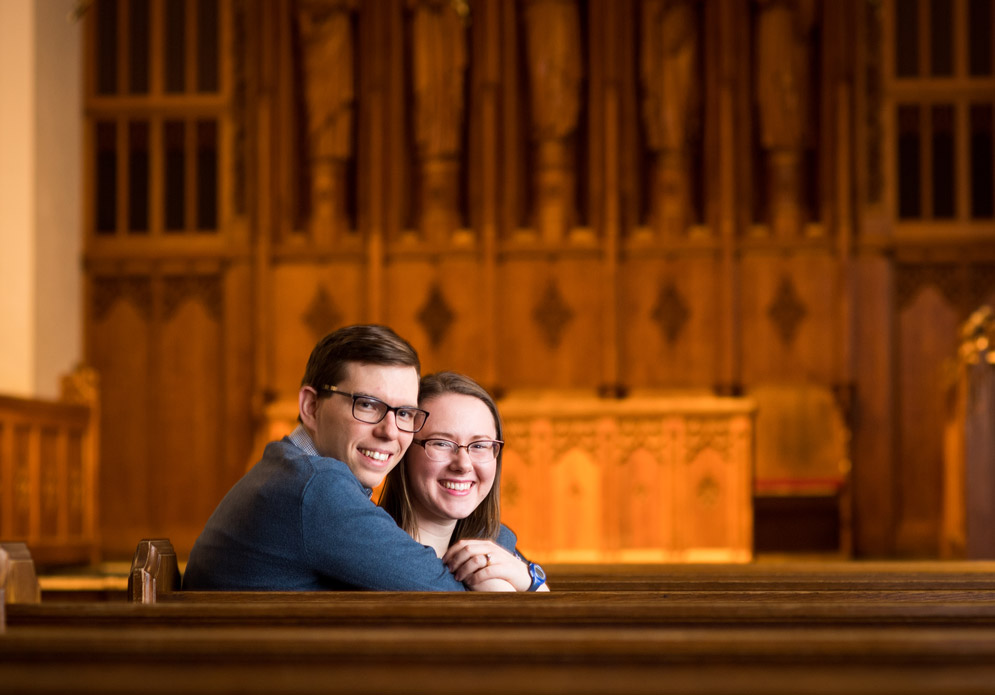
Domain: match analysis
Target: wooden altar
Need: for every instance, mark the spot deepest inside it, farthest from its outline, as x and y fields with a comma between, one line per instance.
x=640, y=479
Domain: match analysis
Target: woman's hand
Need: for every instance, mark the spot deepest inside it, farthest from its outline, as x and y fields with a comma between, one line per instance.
x=481, y=564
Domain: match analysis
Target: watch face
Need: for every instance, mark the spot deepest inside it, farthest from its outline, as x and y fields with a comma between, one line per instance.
x=540, y=572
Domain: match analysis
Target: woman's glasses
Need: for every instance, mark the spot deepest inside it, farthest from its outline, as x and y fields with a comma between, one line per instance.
x=481, y=451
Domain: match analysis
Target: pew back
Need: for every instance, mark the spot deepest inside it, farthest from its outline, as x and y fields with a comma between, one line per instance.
x=154, y=571
x=19, y=581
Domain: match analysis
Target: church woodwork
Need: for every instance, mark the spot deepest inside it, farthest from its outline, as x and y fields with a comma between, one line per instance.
x=646, y=478
x=49, y=472
x=583, y=196
x=969, y=444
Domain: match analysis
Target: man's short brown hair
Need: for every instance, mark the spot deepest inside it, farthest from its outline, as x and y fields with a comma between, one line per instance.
x=362, y=344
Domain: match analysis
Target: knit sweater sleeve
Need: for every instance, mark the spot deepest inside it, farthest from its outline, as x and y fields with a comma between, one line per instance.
x=349, y=539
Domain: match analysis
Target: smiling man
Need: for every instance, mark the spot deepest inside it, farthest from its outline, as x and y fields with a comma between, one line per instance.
x=301, y=518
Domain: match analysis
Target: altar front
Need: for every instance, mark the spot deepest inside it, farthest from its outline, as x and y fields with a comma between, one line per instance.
x=640, y=479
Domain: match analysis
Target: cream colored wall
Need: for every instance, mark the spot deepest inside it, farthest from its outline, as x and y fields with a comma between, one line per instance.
x=40, y=224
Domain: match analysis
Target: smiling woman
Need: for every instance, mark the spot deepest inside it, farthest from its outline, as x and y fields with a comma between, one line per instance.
x=445, y=492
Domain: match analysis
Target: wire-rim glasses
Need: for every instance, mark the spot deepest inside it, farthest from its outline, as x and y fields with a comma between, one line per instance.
x=372, y=410
x=480, y=451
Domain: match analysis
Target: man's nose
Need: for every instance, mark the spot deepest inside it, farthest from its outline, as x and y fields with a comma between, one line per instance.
x=387, y=428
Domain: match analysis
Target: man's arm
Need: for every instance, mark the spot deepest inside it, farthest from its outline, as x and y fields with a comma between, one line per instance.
x=351, y=540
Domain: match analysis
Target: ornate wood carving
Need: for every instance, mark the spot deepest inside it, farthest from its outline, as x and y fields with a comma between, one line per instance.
x=439, y=63
x=910, y=279
x=786, y=310
x=435, y=316
x=965, y=286
x=576, y=456
x=706, y=433
x=322, y=316
x=669, y=76
x=240, y=107
x=178, y=289
x=872, y=115
x=329, y=55
x=553, y=47
x=783, y=60
x=641, y=434
x=671, y=312
x=107, y=291
x=552, y=314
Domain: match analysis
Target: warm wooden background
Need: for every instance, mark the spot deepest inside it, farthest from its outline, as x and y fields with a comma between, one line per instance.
x=816, y=215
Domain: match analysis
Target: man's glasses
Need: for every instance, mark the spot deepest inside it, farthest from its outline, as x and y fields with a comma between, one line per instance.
x=372, y=410
x=483, y=451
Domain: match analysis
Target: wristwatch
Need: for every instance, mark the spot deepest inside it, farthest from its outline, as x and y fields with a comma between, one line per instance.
x=538, y=576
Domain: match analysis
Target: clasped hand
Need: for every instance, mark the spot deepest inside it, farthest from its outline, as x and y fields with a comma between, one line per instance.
x=483, y=565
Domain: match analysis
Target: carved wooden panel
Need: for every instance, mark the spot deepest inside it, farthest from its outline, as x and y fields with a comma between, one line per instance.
x=606, y=227
x=48, y=468
x=642, y=479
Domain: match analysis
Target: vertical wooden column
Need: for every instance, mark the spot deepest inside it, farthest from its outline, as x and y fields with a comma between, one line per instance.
x=267, y=17
x=841, y=80
x=373, y=31
x=611, y=218
x=487, y=49
x=731, y=17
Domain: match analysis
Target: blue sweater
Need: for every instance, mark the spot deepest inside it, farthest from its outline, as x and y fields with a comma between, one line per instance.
x=297, y=522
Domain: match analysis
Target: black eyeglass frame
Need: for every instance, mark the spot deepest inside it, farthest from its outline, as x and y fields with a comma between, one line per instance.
x=386, y=409
x=423, y=442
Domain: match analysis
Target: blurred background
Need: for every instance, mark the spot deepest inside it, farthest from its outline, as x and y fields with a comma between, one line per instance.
x=721, y=260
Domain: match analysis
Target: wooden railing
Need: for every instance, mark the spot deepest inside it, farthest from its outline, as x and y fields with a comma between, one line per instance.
x=48, y=472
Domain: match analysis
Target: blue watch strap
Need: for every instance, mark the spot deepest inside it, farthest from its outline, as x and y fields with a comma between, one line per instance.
x=538, y=576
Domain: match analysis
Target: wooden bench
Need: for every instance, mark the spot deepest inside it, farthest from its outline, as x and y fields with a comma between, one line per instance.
x=154, y=571
x=19, y=579
x=932, y=634
x=562, y=609
x=155, y=577
x=499, y=659
x=840, y=575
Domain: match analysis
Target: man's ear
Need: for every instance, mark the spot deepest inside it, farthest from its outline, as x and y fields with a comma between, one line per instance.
x=307, y=401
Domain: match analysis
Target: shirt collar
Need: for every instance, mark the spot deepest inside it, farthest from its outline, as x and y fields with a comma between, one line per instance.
x=302, y=440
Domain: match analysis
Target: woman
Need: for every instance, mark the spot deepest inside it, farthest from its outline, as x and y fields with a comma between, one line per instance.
x=445, y=491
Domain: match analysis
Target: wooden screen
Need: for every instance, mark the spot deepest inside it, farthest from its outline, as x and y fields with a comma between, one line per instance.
x=602, y=197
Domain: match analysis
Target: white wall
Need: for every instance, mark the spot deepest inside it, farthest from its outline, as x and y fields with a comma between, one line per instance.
x=17, y=177
x=40, y=227
x=58, y=193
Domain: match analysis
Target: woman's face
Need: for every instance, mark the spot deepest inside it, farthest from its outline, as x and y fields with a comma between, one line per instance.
x=444, y=491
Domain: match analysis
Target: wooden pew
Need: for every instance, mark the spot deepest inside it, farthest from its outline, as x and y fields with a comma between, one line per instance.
x=20, y=583
x=154, y=574
x=798, y=576
x=500, y=659
x=154, y=571
x=563, y=609
x=851, y=637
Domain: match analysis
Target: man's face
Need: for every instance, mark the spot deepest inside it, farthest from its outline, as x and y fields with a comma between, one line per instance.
x=370, y=450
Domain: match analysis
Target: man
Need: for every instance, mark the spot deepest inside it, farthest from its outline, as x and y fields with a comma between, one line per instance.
x=302, y=518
